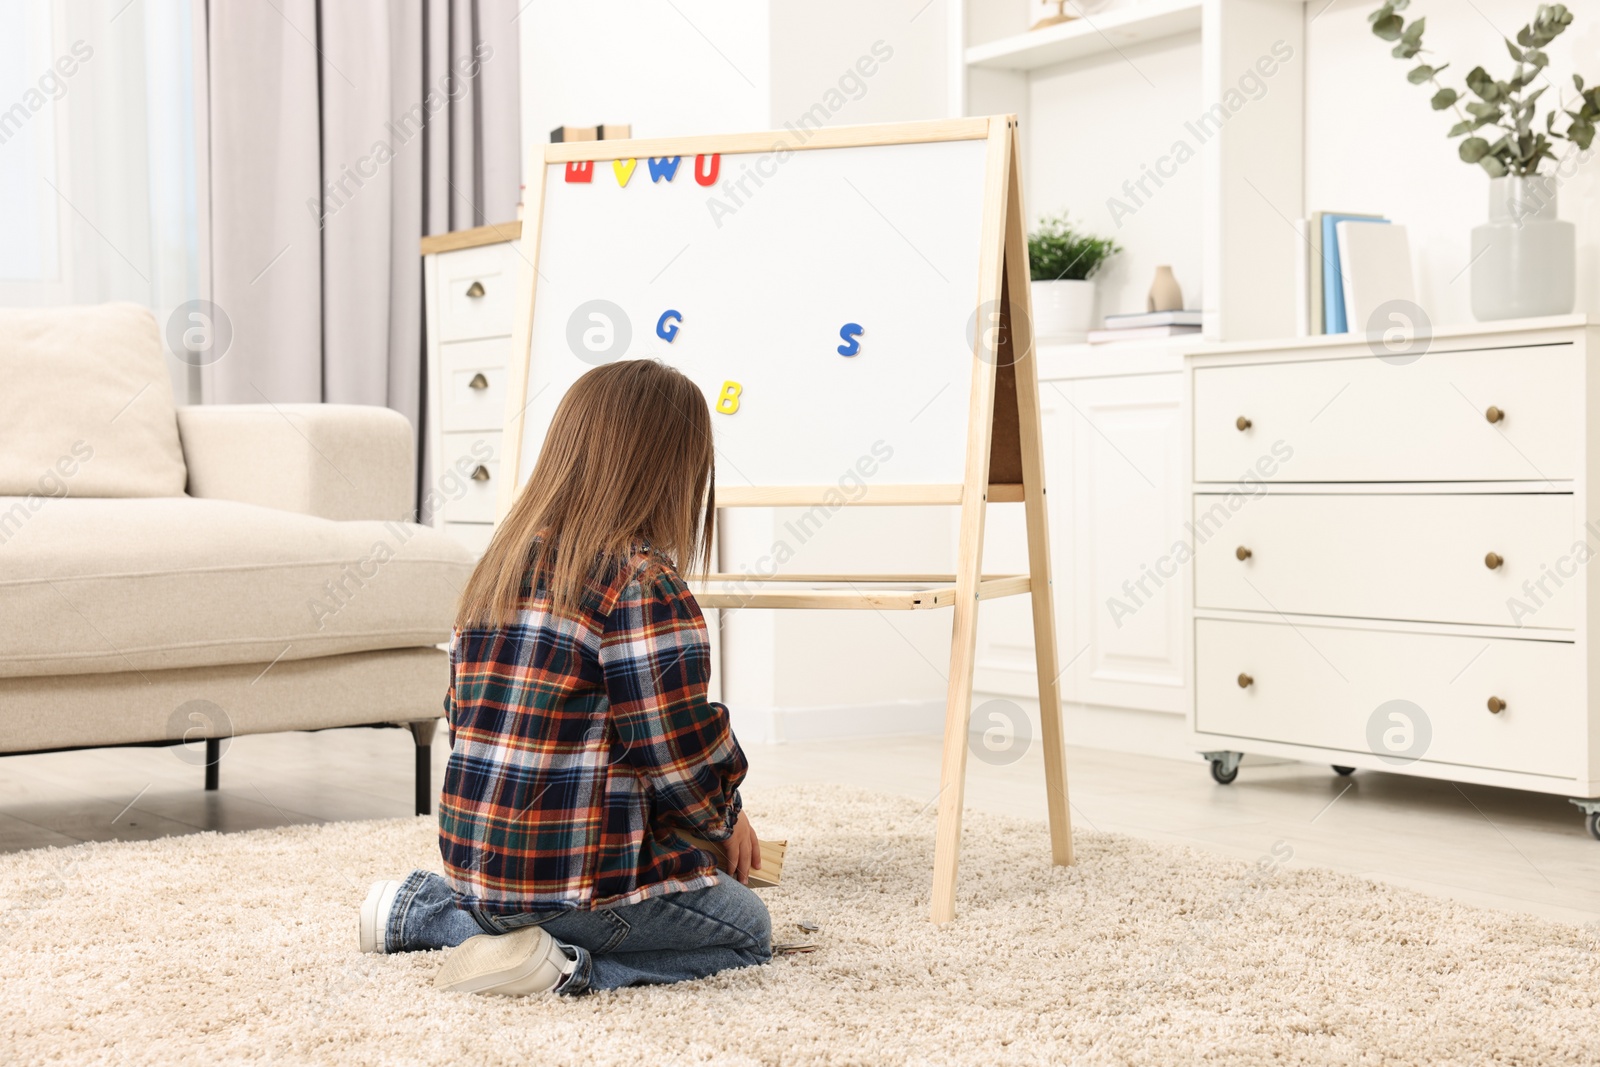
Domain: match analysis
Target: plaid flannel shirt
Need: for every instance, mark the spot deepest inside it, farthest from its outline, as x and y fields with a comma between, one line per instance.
x=582, y=744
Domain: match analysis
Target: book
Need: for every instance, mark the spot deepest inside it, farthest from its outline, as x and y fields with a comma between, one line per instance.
x=1136, y=319
x=1141, y=333
x=568, y=134
x=1333, y=316
x=1302, y=278
x=771, y=872
x=611, y=132
x=1375, y=265
x=1314, y=286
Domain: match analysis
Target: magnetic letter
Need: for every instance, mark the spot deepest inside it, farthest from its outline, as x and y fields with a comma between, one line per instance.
x=580, y=170
x=623, y=169
x=703, y=176
x=850, y=331
x=668, y=331
x=664, y=168
x=728, y=402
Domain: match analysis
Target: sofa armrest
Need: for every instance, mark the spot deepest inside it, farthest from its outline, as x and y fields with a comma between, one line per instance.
x=336, y=461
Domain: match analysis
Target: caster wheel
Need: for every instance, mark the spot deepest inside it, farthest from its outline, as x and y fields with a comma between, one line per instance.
x=1223, y=777
x=1343, y=772
x=1592, y=821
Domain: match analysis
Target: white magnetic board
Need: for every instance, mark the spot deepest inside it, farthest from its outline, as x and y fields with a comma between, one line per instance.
x=764, y=266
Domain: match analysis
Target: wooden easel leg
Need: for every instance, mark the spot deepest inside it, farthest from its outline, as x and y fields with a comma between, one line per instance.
x=1045, y=661
x=1031, y=438
x=953, y=768
x=999, y=179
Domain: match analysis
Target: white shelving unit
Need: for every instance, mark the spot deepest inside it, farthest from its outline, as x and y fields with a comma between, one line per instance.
x=1101, y=100
x=1088, y=36
x=1115, y=93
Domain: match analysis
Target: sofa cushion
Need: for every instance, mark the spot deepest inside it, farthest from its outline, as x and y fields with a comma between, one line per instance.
x=92, y=586
x=86, y=406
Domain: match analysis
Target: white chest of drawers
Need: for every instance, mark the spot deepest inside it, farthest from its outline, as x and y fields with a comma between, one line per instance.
x=1391, y=556
x=470, y=282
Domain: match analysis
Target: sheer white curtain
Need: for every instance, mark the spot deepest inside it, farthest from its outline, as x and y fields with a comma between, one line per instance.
x=97, y=156
x=339, y=135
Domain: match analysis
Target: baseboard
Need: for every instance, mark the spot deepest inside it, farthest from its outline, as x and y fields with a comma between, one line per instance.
x=1144, y=733
x=1141, y=732
x=836, y=722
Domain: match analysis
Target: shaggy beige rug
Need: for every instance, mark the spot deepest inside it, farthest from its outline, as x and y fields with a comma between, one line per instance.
x=219, y=949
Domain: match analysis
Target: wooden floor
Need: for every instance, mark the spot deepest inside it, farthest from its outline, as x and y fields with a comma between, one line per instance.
x=1521, y=852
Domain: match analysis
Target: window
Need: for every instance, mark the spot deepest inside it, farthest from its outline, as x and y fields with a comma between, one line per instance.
x=30, y=85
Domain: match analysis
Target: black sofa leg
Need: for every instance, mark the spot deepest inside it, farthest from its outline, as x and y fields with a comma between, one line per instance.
x=213, y=762
x=422, y=733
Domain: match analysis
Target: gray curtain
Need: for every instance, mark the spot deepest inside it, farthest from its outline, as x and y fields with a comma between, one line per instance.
x=341, y=132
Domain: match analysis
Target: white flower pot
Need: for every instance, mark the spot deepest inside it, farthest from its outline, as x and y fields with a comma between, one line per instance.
x=1524, y=259
x=1063, y=310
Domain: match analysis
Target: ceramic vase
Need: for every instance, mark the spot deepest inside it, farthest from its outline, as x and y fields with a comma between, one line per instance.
x=1164, y=292
x=1524, y=259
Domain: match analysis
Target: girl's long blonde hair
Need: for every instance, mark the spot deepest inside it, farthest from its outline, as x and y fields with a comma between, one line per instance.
x=628, y=456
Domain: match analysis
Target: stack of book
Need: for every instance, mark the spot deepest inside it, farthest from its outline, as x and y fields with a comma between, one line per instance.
x=1346, y=267
x=1146, y=326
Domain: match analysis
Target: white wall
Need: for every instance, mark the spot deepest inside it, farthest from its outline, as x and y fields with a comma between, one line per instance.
x=817, y=44
x=1374, y=144
x=688, y=67
x=1081, y=154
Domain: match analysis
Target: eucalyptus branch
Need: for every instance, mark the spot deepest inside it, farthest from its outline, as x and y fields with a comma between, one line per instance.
x=1521, y=149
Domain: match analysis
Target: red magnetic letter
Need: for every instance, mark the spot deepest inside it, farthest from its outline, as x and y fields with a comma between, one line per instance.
x=580, y=170
x=710, y=176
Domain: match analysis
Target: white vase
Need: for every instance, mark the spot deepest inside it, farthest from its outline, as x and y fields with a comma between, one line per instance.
x=1063, y=310
x=1524, y=259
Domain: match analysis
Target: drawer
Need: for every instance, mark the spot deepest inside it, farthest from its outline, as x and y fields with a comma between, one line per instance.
x=467, y=476
x=489, y=271
x=1336, y=688
x=472, y=384
x=473, y=535
x=1419, y=557
x=1366, y=420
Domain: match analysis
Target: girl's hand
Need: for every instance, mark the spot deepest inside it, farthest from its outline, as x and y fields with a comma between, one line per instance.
x=744, y=850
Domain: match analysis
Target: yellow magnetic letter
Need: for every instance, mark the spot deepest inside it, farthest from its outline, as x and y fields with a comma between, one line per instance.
x=728, y=402
x=623, y=169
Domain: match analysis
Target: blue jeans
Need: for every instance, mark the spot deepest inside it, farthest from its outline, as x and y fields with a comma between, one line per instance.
x=668, y=938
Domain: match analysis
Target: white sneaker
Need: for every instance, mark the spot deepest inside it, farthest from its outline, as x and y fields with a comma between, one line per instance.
x=517, y=964
x=375, y=915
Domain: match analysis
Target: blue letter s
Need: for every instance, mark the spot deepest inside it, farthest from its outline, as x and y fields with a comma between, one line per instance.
x=850, y=331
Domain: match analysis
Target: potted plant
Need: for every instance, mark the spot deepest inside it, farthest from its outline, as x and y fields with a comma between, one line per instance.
x=1524, y=257
x=1063, y=262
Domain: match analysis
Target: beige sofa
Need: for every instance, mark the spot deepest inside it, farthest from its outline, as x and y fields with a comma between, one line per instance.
x=172, y=574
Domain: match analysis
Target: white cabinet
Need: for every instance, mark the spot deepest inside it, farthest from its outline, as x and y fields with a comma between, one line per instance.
x=1114, y=449
x=1118, y=504
x=470, y=280
x=1403, y=584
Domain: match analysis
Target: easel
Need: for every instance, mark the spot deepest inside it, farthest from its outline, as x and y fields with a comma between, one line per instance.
x=1004, y=459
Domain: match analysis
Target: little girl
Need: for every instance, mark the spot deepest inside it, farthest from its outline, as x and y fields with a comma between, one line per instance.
x=583, y=747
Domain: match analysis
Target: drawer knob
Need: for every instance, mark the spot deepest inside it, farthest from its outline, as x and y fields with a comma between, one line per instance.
x=1242, y=423
x=1496, y=705
x=1493, y=561
x=480, y=473
x=1245, y=681
x=475, y=290
x=478, y=382
x=1242, y=553
x=1494, y=414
